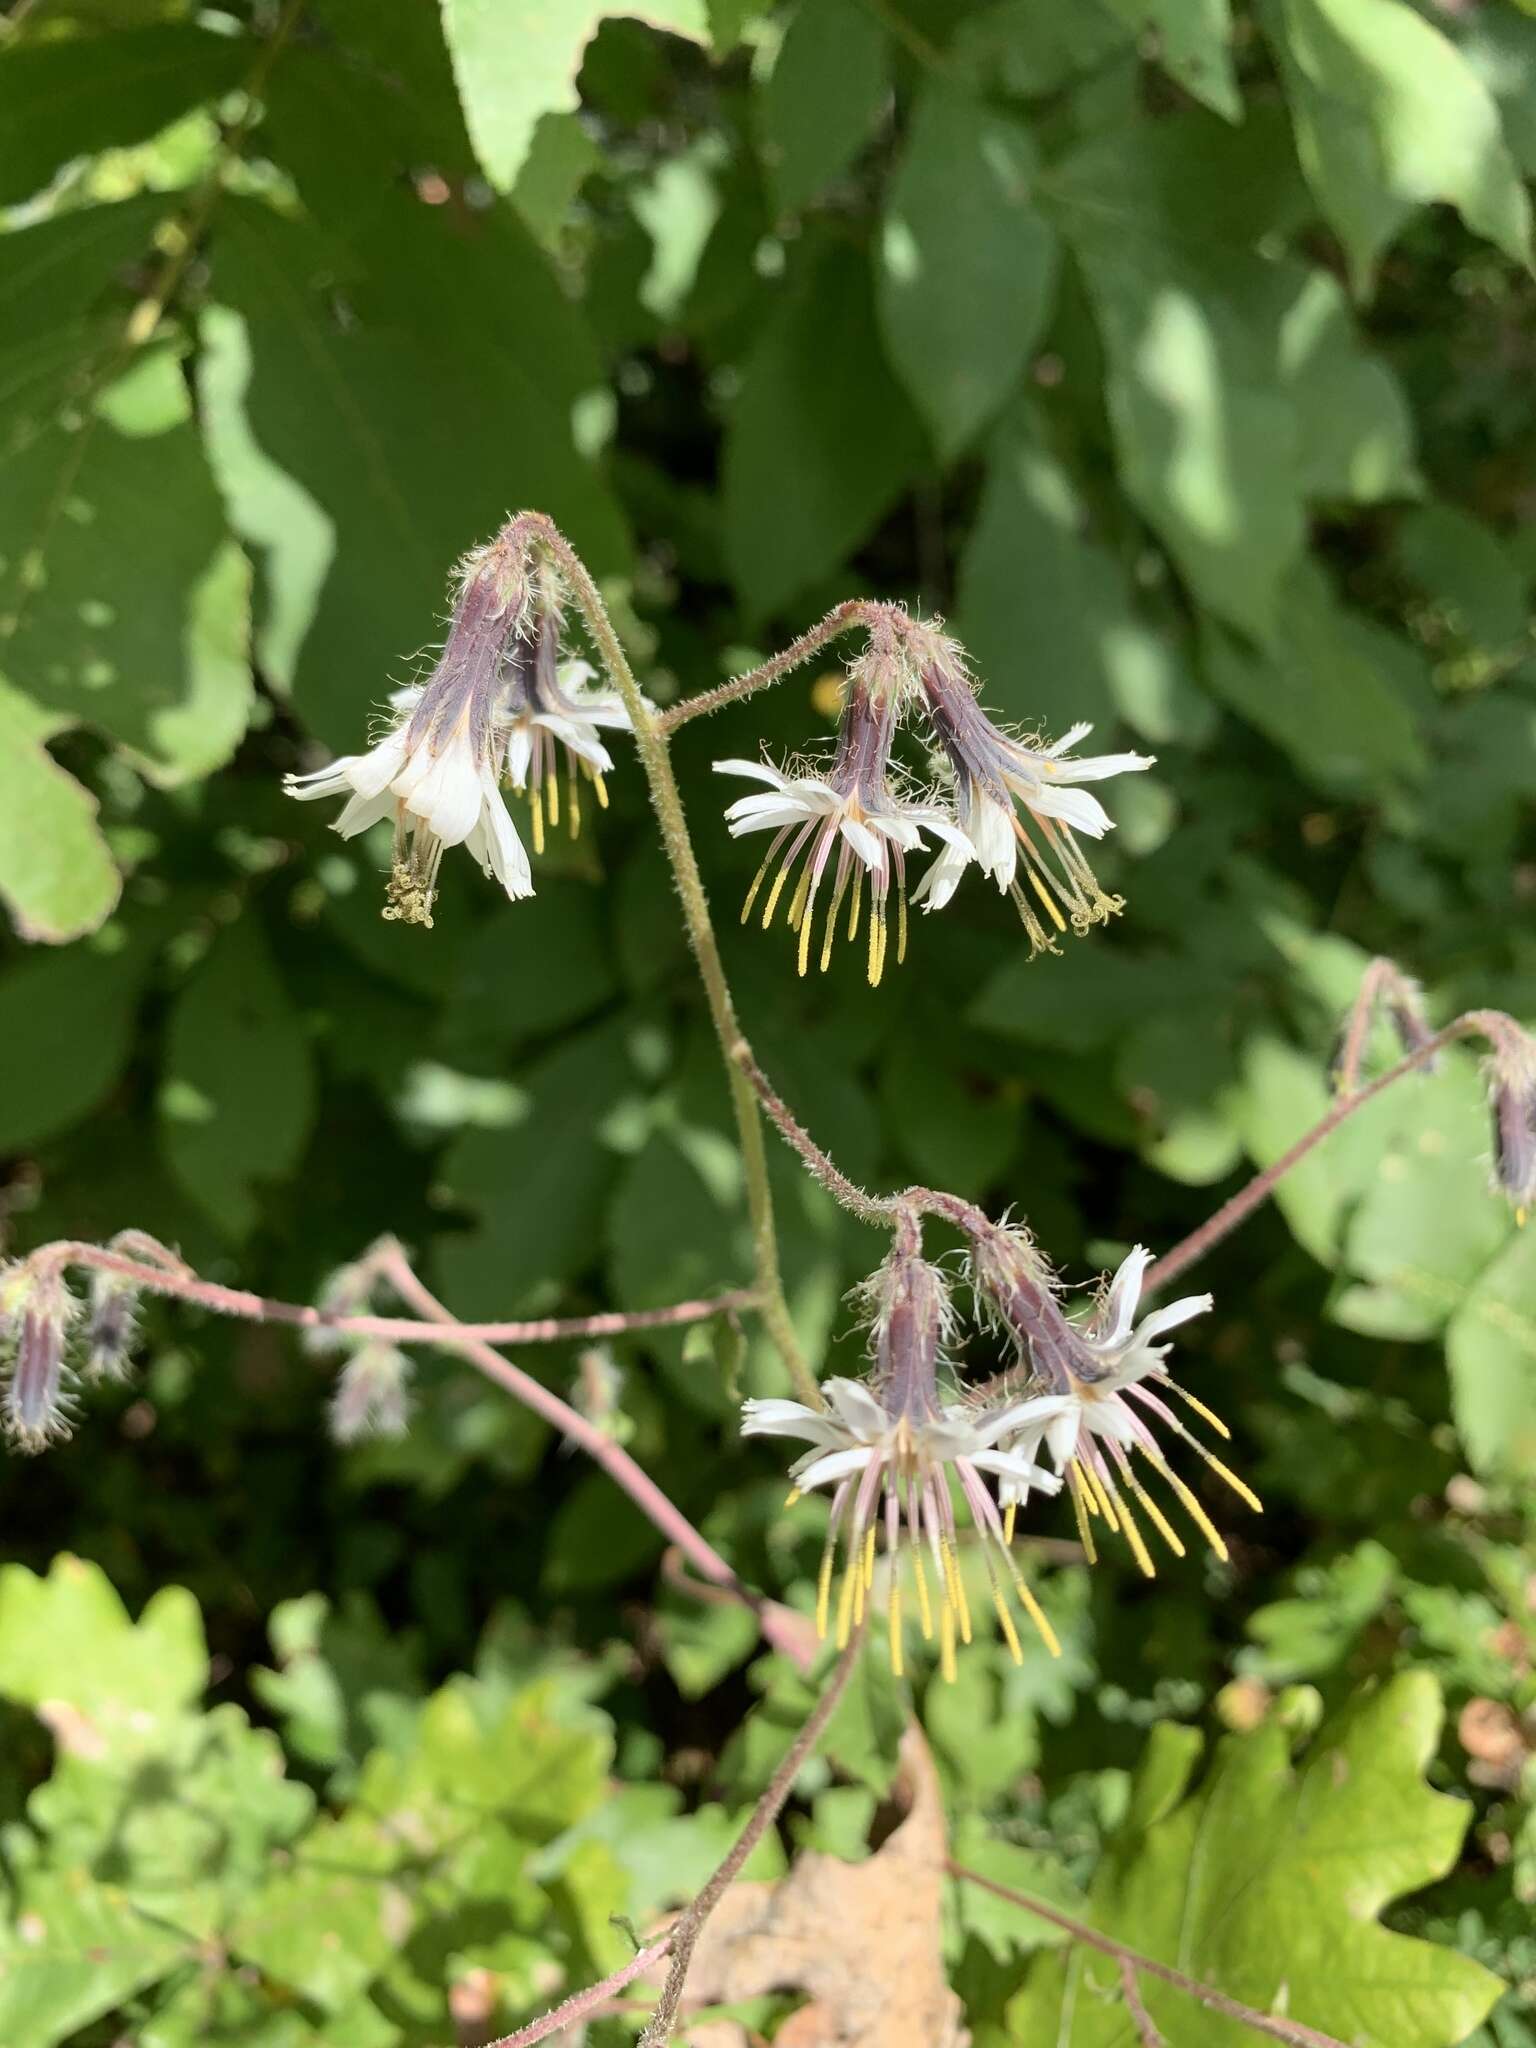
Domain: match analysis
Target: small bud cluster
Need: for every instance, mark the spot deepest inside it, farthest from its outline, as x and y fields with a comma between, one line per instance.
x=373, y=1394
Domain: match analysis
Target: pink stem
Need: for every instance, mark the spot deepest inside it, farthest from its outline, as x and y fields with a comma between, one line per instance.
x=235, y=1301
x=854, y=611
x=582, y=2003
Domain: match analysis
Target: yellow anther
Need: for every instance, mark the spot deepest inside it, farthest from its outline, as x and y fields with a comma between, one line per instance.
x=1097, y=1494
x=869, y=1558
x=1084, y=1532
x=1159, y=1520
x=956, y=1586
x=824, y=1589
x=924, y=1608
x=1196, y=1513
x=773, y=894
x=552, y=796
x=851, y=1579
x=1202, y=1411
x=1133, y=1536
x=1036, y=1613
x=1010, y=1517
x=1048, y=900
x=807, y=919
x=1005, y=1623
x=573, y=803
x=757, y=883
x=538, y=818
x=876, y=942
x=893, y=1624
x=901, y=920
x=856, y=1566
x=602, y=789
x=858, y=898
x=1244, y=1493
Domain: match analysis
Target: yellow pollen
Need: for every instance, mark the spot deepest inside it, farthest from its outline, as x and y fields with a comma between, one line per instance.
x=1196, y=1513
x=869, y=1558
x=773, y=894
x=1084, y=1532
x=1010, y=1517
x=538, y=818
x=1202, y=1411
x=552, y=797
x=792, y=1496
x=901, y=920
x=757, y=881
x=797, y=901
x=601, y=787
x=852, y=1577
x=876, y=941
x=858, y=898
x=956, y=1586
x=807, y=919
x=1036, y=1613
x=573, y=802
x=824, y=1589
x=947, y=1644
x=1005, y=1623
x=1155, y=1515
x=924, y=1610
x=1133, y=1536
x=1048, y=900
x=893, y=1624
x=1097, y=1491
x=1244, y=1493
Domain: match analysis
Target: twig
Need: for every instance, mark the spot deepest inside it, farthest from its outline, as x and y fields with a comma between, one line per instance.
x=184, y=1285
x=1290, y=2031
x=780, y=1627
x=1141, y=2019
x=1490, y=1024
x=686, y=1932
x=854, y=611
x=681, y=1937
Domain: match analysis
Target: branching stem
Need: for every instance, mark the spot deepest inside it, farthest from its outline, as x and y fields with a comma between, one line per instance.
x=843, y=618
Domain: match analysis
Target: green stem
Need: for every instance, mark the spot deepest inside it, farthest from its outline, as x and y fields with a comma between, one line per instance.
x=667, y=802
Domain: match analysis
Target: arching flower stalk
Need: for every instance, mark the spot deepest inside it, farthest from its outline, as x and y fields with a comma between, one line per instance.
x=889, y=1449
x=550, y=708
x=1016, y=803
x=1101, y=1386
x=854, y=807
x=437, y=770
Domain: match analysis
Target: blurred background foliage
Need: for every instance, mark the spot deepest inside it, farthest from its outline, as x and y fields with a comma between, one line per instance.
x=1183, y=360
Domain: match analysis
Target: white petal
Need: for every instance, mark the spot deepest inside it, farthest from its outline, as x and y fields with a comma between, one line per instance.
x=1062, y=1434
x=1068, y=740
x=519, y=753
x=1074, y=807
x=361, y=812
x=835, y=1465
x=858, y=1408
x=495, y=844
x=575, y=734
x=1119, y=1311
x=866, y=844
x=942, y=878
x=447, y=797
x=1012, y=1465
x=1110, y=1418
x=990, y=827
x=1176, y=1312
x=1023, y=1415
x=1099, y=767
x=333, y=781
x=376, y=770
x=788, y=1418
x=754, y=771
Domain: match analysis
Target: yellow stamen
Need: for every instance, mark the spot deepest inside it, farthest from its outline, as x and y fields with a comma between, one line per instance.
x=1097, y=1493
x=858, y=898
x=1133, y=1536
x=1085, y=1534
x=1202, y=1411
x=773, y=895
x=573, y=802
x=601, y=787
x=757, y=883
x=807, y=920
x=876, y=942
x=1010, y=1516
x=1196, y=1513
x=924, y=1609
x=893, y=1624
x=956, y=1586
x=538, y=818
x=856, y=1566
x=947, y=1644
x=1244, y=1493
x=1159, y=1520
x=824, y=1588
x=869, y=1558
x=829, y=932
x=797, y=901
x=901, y=920
x=852, y=1577
x=1036, y=1613
x=552, y=796
x=1005, y=1622
x=792, y=1496
x=1048, y=900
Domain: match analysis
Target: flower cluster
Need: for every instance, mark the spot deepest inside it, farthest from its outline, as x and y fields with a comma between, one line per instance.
x=1084, y=1395
x=499, y=706
x=1009, y=807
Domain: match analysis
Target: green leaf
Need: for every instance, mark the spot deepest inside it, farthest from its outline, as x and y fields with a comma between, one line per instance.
x=967, y=265
x=1355, y=433
x=829, y=88
x=75, y=96
x=67, y=1638
x=818, y=425
x=1034, y=51
x=237, y=1093
x=1310, y=1634
x=1390, y=116
x=1338, y=693
x=1266, y=1882
x=58, y=879
x=1491, y=1349
x=123, y=603
x=508, y=81
x=1007, y=1929
x=1194, y=45
x=66, y=1022
x=1474, y=587
x=72, y=1950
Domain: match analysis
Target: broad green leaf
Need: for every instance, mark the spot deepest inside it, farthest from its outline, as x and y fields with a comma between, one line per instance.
x=1194, y=45
x=1310, y=1634
x=58, y=879
x=237, y=1092
x=67, y=1638
x=820, y=440
x=1390, y=117
x=1034, y=51
x=76, y=95
x=829, y=87
x=1006, y=1929
x=1491, y=1349
x=123, y=603
x=345, y=1680
x=1338, y=694
x=67, y=1024
x=1468, y=576
x=1355, y=434
x=71, y=1950
x=669, y=1236
x=327, y=1923
x=1266, y=1882
x=509, y=80
x=966, y=264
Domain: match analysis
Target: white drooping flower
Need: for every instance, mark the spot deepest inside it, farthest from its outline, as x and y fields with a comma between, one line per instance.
x=1103, y=1402
x=888, y=1448
x=436, y=773
x=853, y=808
x=1018, y=805
x=551, y=706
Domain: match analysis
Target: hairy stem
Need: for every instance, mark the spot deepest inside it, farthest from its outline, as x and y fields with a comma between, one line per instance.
x=184, y=1285
x=1290, y=2031
x=781, y=1627
x=667, y=802
x=1490, y=1024
x=854, y=611
x=685, y=1934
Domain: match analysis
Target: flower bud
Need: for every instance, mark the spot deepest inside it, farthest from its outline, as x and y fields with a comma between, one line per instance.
x=347, y=1292
x=1513, y=1109
x=909, y=1302
x=1015, y=1285
x=111, y=1327
x=36, y=1310
x=372, y=1396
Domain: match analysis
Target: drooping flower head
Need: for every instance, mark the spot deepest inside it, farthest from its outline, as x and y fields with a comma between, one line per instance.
x=36, y=1311
x=888, y=1447
x=550, y=707
x=436, y=771
x=1101, y=1393
x=855, y=808
x=1016, y=803
x=1510, y=1075
x=373, y=1394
